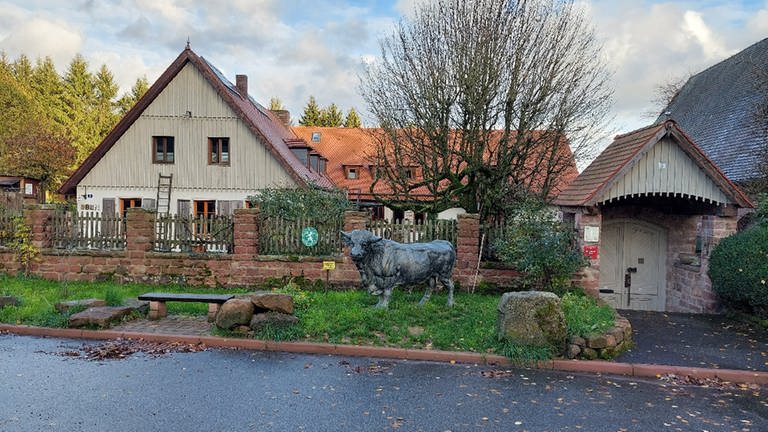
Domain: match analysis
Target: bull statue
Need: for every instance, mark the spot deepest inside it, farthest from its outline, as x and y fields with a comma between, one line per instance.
x=385, y=264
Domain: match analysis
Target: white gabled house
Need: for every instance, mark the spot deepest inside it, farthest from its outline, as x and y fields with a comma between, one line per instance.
x=205, y=136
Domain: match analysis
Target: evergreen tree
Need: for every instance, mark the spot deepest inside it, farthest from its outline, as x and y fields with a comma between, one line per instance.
x=106, y=91
x=352, y=120
x=80, y=97
x=22, y=70
x=48, y=89
x=331, y=116
x=129, y=99
x=312, y=114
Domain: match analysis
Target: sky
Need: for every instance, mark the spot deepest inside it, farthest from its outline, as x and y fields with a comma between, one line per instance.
x=292, y=49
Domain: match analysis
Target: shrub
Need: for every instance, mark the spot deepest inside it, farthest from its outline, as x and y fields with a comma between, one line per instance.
x=738, y=268
x=21, y=244
x=301, y=202
x=540, y=247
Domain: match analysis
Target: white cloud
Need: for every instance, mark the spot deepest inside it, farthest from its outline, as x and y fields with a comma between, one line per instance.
x=40, y=37
x=694, y=25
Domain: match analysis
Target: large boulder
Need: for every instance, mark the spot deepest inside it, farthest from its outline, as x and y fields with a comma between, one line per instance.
x=533, y=318
x=234, y=312
x=275, y=302
x=101, y=316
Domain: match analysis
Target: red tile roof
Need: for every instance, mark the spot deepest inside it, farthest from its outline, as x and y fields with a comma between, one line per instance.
x=262, y=123
x=625, y=151
x=347, y=147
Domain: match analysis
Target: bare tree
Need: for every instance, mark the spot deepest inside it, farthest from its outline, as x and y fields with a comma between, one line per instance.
x=664, y=94
x=483, y=99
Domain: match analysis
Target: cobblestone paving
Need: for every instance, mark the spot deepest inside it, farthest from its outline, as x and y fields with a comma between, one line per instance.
x=172, y=324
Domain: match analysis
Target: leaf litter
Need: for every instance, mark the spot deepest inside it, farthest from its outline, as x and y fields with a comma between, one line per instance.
x=123, y=348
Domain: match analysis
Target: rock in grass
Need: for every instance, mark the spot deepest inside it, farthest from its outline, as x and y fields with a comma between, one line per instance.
x=234, y=312
x=532, y=318
x=101, y=316
x=8, y=301
x=86, y=303
x=272, y=319
x=270, y=301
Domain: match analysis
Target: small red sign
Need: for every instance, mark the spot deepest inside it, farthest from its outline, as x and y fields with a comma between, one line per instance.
x=590, y=251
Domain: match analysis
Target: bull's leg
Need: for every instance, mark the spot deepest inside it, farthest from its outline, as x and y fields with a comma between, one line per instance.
x=448, y=283
x=428, y=292
x=384, y=298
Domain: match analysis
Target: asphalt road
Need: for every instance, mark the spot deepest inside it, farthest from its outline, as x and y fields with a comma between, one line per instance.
x=44, y=387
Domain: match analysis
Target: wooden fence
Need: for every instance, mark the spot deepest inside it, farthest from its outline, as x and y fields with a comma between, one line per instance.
x=176, y=233
x=489, y=233
x=279, y=236
x=87, y=230
x=6, y=226
x=410, y=232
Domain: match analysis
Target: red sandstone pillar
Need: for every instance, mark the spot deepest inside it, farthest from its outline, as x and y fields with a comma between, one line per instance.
x=139, y=232
x=355, y=220
x=246, y=233
x=467, y=248
x=38, y=219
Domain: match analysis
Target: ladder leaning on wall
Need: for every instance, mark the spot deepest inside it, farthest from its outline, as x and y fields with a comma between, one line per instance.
x=164, y=183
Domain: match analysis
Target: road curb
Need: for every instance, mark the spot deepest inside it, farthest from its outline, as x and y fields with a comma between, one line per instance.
x=583, y=366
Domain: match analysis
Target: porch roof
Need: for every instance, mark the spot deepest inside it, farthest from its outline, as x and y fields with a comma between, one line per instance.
x=658, y=160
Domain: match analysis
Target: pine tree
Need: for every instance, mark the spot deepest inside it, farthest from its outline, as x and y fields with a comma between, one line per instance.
x=312, y=114
x=331, y=116
x=80, y=97
x=352, y=120
x=106, y=91
x=22, y=70
x=129, y=99
x=48, y=89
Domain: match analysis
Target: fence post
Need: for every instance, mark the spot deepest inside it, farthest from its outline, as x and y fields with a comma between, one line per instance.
x=467, y=245
x=38, y=219
x=246, y=231
x=139, y=230
x=356, y=220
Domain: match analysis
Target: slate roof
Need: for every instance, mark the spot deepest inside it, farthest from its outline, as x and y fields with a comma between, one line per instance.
x=625, y=151
x=261, y=122
x=716, y=107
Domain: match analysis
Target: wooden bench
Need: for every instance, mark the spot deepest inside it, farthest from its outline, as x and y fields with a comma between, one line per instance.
x=157, y=308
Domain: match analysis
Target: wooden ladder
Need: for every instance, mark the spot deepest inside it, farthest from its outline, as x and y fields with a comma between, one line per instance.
x=164, y=183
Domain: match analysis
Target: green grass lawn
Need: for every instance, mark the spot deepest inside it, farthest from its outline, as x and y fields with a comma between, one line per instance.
x=345, y=317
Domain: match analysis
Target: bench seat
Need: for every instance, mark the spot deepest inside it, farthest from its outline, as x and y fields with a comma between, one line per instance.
x=158, y=309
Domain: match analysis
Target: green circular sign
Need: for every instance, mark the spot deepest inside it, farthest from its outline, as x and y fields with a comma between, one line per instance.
x=309, y=236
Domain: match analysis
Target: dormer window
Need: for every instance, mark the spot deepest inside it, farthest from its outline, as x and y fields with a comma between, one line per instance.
x=301, y=154
x=314, y=162
x=315, y=136
x=352, y=173
x=323, y=162
x=410, y=173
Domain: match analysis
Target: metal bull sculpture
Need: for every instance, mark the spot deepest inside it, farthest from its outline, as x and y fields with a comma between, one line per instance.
x=385, y=264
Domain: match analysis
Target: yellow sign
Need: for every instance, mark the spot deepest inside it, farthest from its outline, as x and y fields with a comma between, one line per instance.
x=329, y=265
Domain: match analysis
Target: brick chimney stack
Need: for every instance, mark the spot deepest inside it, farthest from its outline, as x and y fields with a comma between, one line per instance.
x=284, y=116
x=241, y=82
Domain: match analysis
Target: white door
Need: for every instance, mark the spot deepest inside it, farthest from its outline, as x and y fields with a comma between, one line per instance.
x=633, y=265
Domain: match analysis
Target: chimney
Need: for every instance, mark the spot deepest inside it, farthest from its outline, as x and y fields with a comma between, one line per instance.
x=241, y=82
x=284, y=116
